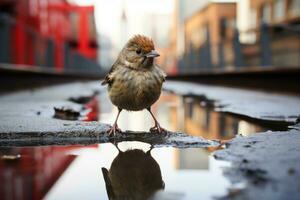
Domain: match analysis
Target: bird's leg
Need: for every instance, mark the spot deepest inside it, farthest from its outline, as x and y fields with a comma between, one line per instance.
x=116, y=145
x=115, y=127
x=157, y=126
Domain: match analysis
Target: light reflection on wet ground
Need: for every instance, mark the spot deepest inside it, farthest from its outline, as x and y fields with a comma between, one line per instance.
x=194, y=176
x=186, y=114
x=74, y=172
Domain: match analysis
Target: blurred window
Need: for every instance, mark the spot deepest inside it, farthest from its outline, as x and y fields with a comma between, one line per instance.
x=33, y=7
x=266, y=13
x=199, y=36
x=279, y=9
x=190, y=110
x=223, y=27
x=253, y=16
x=207, y=119
x=188, y=103
x=222, y=126
x=294, y=8
x=235, y=127
x=74, y=20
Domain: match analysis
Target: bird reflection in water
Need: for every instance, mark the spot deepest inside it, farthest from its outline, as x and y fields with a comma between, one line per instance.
x=134, y=174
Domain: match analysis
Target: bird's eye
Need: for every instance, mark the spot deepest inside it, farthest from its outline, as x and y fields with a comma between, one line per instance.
x=138, y=51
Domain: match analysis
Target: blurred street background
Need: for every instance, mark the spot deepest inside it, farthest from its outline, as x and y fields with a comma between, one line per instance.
x=233, y=69
x=220, y=42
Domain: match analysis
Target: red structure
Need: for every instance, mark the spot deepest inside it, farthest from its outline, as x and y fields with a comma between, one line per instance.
x=61, y=33
x=93, y=110
x=38, y=24
x=29, y=173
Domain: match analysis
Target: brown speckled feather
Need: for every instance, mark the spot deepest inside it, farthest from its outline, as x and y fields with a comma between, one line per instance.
x=108, y=79
x=143, y=42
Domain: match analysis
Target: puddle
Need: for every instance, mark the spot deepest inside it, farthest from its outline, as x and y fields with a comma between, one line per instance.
x=185, y=114
x=75, y=172
x=78, y=172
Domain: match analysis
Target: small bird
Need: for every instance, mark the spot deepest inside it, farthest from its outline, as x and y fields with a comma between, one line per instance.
x=134, y=80
x=128, y=179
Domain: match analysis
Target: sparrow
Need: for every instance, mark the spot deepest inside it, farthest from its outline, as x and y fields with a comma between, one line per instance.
x=134, y=80
x=128, y=179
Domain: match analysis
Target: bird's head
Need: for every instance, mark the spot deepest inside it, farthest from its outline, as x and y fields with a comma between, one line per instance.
x=139, y=52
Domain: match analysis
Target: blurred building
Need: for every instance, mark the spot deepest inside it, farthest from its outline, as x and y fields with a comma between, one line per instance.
x=280, y=35
x=173, y=46
x=47, y=33
x=192, y=158
x=214, y=35
x=182, y=10
x=208, y=27
x=276, y=11
x=196, y=116
x=159, y=32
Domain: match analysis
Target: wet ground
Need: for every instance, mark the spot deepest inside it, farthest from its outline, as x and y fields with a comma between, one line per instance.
x=188, y=173
x=82, y=168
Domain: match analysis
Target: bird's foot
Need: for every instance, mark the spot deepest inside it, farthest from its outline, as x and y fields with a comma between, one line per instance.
x=113, y=130
x=158, y=129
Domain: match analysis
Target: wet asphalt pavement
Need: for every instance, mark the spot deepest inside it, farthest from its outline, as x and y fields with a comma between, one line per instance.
x=269, y=162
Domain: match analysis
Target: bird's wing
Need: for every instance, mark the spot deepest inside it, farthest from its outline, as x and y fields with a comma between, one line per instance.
x=162, y=73
x=108, y=79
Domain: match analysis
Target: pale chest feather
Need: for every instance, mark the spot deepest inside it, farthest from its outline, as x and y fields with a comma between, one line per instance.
x=135, y=90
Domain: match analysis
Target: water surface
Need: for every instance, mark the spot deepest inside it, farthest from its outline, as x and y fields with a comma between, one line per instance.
x=78, y=172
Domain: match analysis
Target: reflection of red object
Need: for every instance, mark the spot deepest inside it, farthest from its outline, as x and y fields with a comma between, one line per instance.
x=33, y=174
x=93, y=107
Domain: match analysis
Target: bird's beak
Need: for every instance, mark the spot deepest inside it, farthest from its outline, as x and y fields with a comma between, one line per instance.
x=152, y=54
